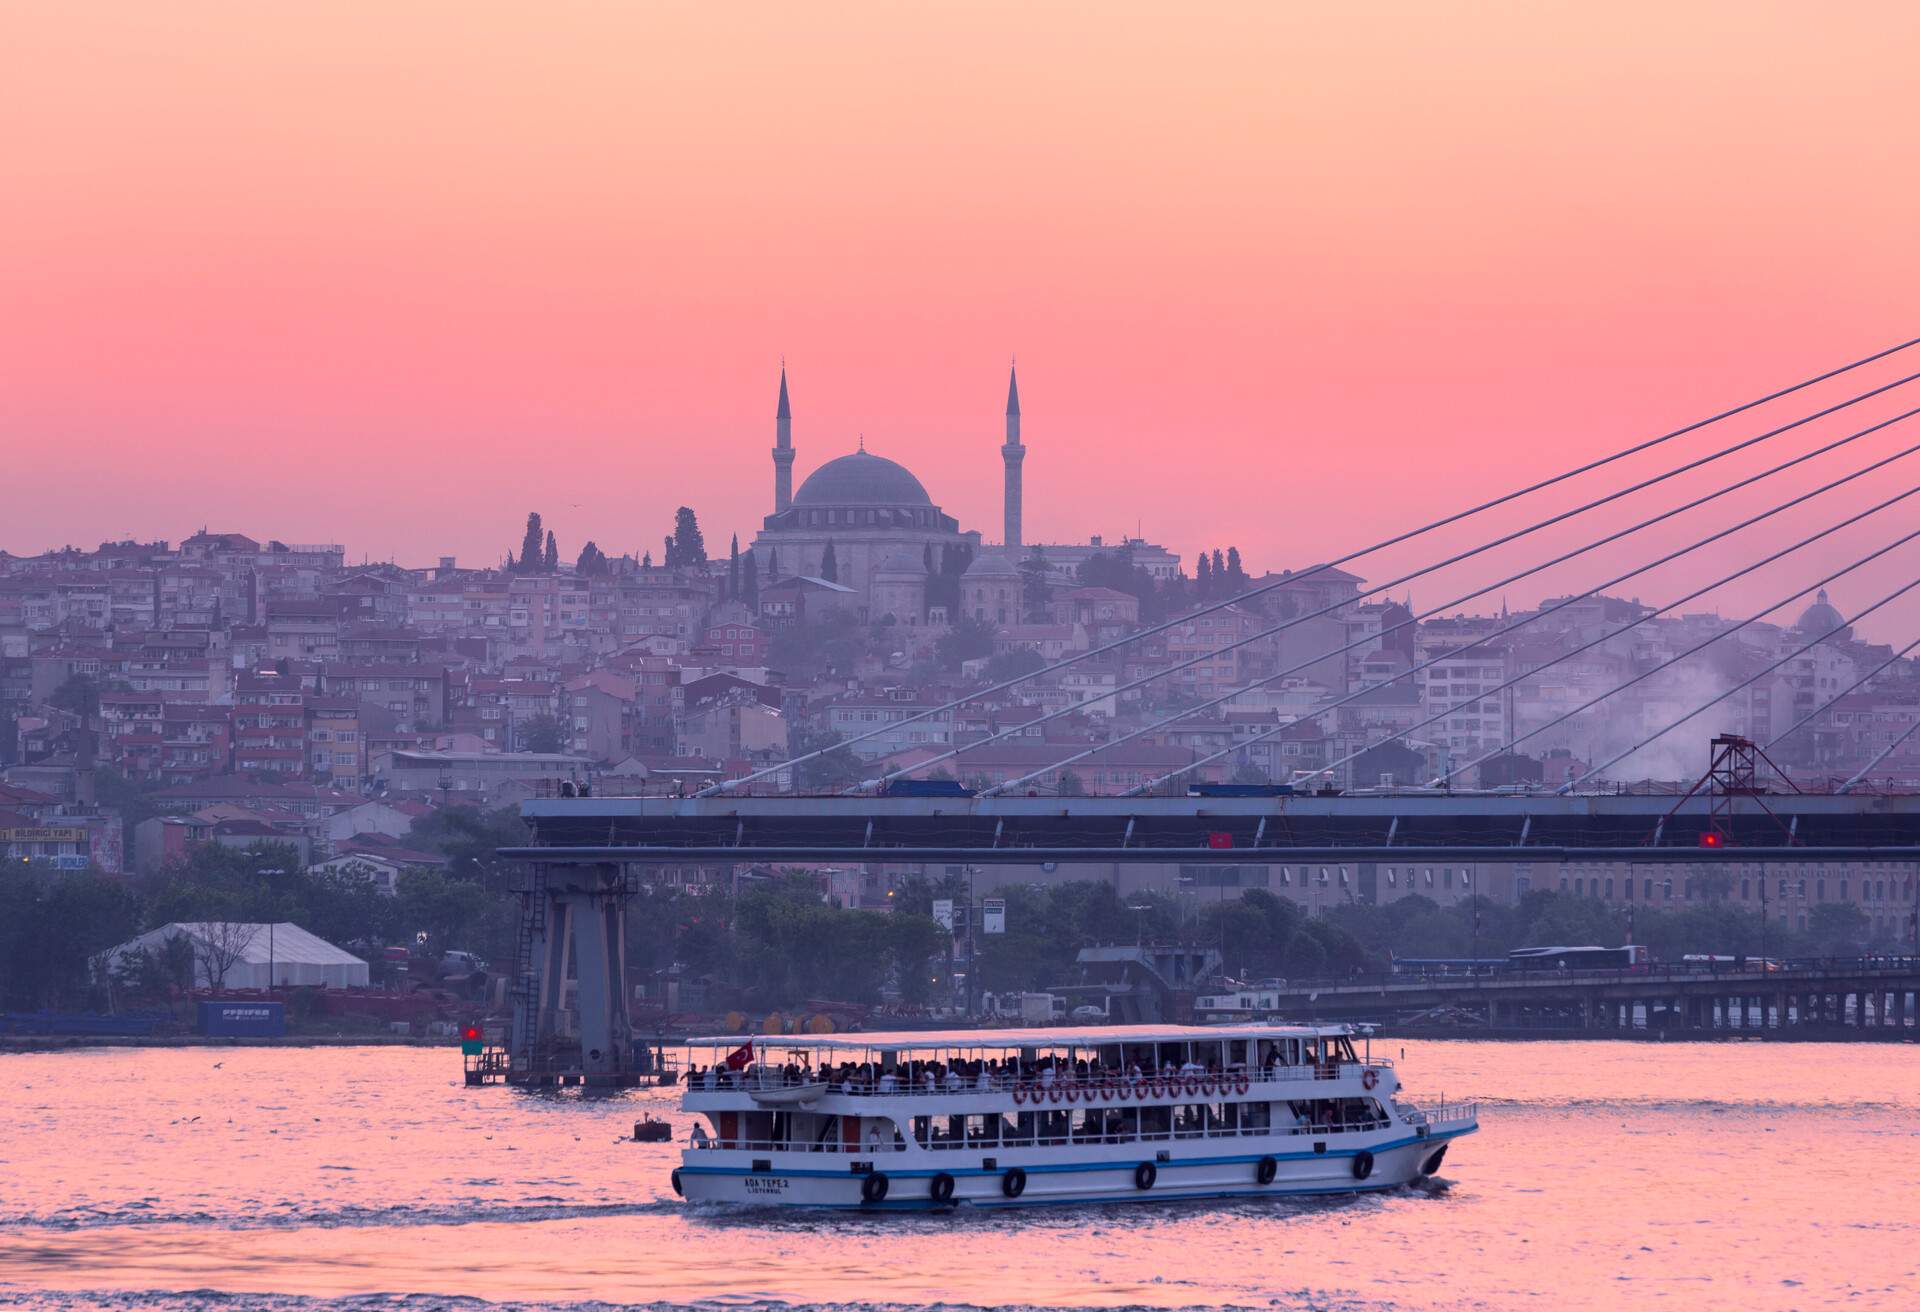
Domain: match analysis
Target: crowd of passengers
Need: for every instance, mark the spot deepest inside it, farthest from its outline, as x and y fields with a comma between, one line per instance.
x=1106, y=1124
x=961, y=1075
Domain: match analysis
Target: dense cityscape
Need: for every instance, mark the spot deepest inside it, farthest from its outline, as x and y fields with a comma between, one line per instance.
x=188, y=708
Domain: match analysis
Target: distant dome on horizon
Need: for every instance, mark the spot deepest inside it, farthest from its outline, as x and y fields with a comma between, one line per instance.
x=862, y=479
x=1822, y=617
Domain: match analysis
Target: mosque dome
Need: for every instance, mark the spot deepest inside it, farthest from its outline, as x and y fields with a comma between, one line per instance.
x=991, y=564
x=861, y=479
x=1822, y=617
x=899, y=565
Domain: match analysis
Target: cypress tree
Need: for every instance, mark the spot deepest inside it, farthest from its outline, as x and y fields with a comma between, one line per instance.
x=750, y=583
x=1203, y=577
x=532, y=545
x=553, y=553
x=829, y=567
x=733, y=570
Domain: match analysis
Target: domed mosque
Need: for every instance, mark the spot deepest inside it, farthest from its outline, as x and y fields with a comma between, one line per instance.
x=865, y=523
x=1823, y=619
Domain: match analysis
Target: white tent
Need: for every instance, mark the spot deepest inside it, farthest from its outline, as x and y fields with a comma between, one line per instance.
x=240, y=955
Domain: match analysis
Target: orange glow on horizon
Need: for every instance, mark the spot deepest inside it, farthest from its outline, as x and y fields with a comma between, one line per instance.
x=1276, y=276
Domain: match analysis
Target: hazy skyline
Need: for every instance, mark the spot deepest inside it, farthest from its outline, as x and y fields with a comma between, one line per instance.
x=396, y=277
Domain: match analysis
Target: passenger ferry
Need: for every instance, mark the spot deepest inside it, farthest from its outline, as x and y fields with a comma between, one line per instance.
x=998, y=1118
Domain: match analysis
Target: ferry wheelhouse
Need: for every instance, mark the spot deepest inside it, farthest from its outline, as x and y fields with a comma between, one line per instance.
x=1000, y=1118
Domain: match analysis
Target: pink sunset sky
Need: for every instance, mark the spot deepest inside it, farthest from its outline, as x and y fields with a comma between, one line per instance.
x=1284, y=276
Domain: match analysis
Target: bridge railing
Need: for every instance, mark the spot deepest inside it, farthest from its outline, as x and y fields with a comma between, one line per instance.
x=1788, y=969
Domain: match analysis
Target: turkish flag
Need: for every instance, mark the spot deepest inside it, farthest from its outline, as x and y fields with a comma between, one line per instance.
x=740, y=1057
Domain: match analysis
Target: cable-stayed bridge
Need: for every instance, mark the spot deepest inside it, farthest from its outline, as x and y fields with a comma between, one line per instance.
x=1838, y=510
x=1543, y=828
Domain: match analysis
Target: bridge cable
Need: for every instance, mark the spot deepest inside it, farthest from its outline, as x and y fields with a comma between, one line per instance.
x=1751, y=679
x=1164, y=671
x=1399, y=734
x=1885, y=752
x=1648, y=673
x=1427, y=614
x=1382, y=545
x=1828, y=705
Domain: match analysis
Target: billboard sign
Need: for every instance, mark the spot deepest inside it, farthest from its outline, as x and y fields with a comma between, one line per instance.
x=943, y=912
x=993, y=915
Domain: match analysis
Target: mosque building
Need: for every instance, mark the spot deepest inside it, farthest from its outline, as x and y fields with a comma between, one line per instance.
x=866, y=523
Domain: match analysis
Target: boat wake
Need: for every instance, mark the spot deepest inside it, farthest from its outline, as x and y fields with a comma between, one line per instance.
x=300, y=1216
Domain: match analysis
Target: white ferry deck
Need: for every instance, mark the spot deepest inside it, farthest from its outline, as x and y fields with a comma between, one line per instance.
x=911, y=1119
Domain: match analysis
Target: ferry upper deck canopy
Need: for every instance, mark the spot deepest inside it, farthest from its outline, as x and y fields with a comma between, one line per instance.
x=1010, y=1040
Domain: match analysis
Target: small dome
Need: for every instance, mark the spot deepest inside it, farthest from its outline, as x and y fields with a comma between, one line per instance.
x=861, y=479
x=1822, y=617
x=991, y=565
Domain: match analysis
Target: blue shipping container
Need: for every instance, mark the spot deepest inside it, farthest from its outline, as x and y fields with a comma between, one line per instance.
x=243, y=1020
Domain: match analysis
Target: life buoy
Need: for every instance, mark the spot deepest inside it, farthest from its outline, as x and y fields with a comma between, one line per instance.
x=1144, y=1175
x=1054, y=1094
x=1193, y=1085
x=1266, y=1170
x=940, y=1188
x=675, y=1179
x=1019, y=1094
x=1073, y=1094
x=1014, y=1182
x=1369, y=1077
x=874, y=1187
x=1126, y=1092
x=1362, y=1164
x=1209, y=1085
x=1242, y=1084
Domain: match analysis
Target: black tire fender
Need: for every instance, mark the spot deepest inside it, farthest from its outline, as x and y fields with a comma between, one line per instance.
x=675, y=1180
x=1144, y=1175
x=940, y=1188
x=1362, y=1164
x=1014, y=1182
x=1266, y=1170
x=873, y=1189
x=1432, y=1165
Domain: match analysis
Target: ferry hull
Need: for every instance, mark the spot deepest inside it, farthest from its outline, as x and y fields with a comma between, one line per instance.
x=911, y=1186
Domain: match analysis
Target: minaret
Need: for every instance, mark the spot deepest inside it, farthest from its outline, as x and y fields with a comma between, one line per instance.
x=782, y=448
x=1011, y=455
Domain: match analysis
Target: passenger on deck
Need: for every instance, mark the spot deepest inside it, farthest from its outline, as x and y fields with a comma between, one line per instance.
x=699, y=1136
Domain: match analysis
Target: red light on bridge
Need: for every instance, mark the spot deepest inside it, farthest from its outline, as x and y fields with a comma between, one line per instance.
x=1712, y=838
x=470, y=1033
x=1219, y=840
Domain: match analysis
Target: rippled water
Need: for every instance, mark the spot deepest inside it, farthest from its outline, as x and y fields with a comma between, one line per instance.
x=1606, y=1175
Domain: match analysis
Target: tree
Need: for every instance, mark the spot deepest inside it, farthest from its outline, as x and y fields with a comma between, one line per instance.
x=968, y=640
x=1012, y=664
x=219, y=946
x=1034, y=592
x=733, y=570
x=1236, y=575
x=552, y=556
x=1219, y=571
x=685, y=545
x=837, y=766
x=544, y=732
x=592, y=562
x=829, y=566
x=1070, y=785
x=533, y=544
x=750, y=583
x=78, y=694
x=1203, y=577
x=773, y=563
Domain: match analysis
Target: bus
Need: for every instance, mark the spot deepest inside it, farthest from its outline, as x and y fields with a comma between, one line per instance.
x=1628, y=957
